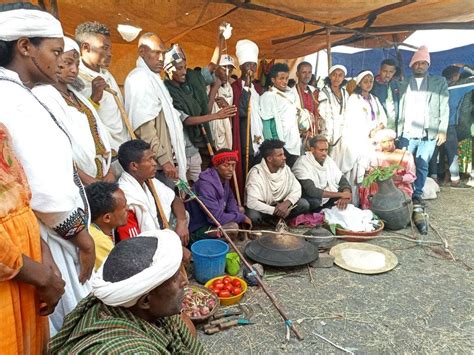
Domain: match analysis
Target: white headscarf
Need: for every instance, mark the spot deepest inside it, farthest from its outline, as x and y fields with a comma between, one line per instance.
x=361, y=76
x=29, y=23
x=173, y=56
x=126, y=293
x=70, y=44
x=383, y=134
x=246, y=51
x=338, y=66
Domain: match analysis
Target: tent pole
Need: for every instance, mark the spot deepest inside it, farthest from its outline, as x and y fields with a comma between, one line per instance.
x=399, y=56
x=328, y=43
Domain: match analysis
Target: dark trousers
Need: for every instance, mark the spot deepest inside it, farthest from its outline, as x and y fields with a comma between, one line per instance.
x=447, y=151
x=301, y=207
x=315, y=204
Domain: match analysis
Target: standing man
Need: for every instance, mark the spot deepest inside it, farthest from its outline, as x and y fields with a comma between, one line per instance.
x=188, y=89
x=150, y=108
x=247, y=93
x=279, y=108
x=424, y=116
x=220, y=96
x=308, y=94
x=95, y=45
x=387, y=91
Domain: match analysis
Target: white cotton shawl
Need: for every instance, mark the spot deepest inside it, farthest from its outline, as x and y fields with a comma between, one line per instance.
x=282, y=106
x=108, y=110
x=264, y=188
x=222, y=129
x=45, y=153
x=77, y=126
x=145, y=97
x=140, y=200
x=332, y=113
x=355, y=152
x=256, y=125
x=325, y=177
x=125, y=293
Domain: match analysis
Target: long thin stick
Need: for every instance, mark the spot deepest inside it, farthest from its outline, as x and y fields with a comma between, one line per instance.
x=183, y=185
x=416, y=241
x=333, y=344
x=247, y=133
x=126, y=121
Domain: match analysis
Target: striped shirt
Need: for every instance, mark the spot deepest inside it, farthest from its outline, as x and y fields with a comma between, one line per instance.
x=96, y=328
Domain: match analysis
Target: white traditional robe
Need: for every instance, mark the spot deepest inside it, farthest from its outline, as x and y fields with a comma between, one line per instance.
x=108, y=110
x=58, y=198
x=141, y=202
x=282, y=106
x=78, y=127
x=145, y=97
x=222, y=129
x=263, y=190
x=355, y=152
x=325, y=177
x=332, y=113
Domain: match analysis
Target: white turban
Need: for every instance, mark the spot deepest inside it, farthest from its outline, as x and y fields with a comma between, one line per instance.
x=362, y=75
x=246, y=51
x=384, y=134
x=15, y=24
x=173, y=56
x=338, y=66
x=125, y=293
x=70, y=44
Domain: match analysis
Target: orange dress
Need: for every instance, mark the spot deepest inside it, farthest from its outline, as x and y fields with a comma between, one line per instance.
x=24, y=331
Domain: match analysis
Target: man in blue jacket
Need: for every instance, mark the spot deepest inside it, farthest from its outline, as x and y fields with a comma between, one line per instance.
x=424, y=116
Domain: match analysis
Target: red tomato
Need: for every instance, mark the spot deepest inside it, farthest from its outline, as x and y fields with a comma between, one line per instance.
x=224, y=294
x=227, y=279
x=210, y=287
x=228, y=287
x=219, y=287
x=236, y=283
x=236, y=291
x=218, y=281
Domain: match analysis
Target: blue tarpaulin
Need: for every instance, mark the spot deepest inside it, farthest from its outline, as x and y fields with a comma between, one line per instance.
x=371, y=59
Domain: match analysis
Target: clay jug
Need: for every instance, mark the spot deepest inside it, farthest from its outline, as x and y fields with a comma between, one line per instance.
x=391, y=205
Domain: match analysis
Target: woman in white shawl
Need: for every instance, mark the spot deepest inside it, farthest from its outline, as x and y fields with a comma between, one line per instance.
x=364, y=116
x=91, y=147
x=44, y=149
x=332, y=104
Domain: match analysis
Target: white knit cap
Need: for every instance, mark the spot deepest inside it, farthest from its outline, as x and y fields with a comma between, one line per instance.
x=246, y=51
x=338, y=66
x=362, y=75
x=70, y=44
x=28, y=23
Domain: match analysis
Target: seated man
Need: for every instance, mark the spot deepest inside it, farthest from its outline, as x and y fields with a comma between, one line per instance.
x=385, y=155
x=213, y=188
x=322, y=182
x=134, y=306
x=109, y=210
x=138, y=161
x=272, y=191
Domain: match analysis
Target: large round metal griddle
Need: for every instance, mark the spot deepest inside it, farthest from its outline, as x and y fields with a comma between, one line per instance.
x=281, y=250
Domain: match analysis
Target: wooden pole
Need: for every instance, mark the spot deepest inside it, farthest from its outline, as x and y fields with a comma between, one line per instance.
x=264, y=287
x=328, y=46
x=247, y=133
x=127, y=124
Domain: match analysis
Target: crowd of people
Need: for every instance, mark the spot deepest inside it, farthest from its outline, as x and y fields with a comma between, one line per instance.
x=94, y=233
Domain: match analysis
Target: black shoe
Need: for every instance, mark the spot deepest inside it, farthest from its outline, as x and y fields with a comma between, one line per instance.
x=417, y=201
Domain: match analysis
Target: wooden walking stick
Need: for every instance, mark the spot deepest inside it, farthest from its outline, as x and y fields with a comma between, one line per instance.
x=127, y=124
x=182, y=185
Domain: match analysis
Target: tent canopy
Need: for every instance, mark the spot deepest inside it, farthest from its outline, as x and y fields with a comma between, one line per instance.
x=272, y=24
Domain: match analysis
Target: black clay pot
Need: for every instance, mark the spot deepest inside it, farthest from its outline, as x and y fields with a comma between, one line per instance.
x=391, y=205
